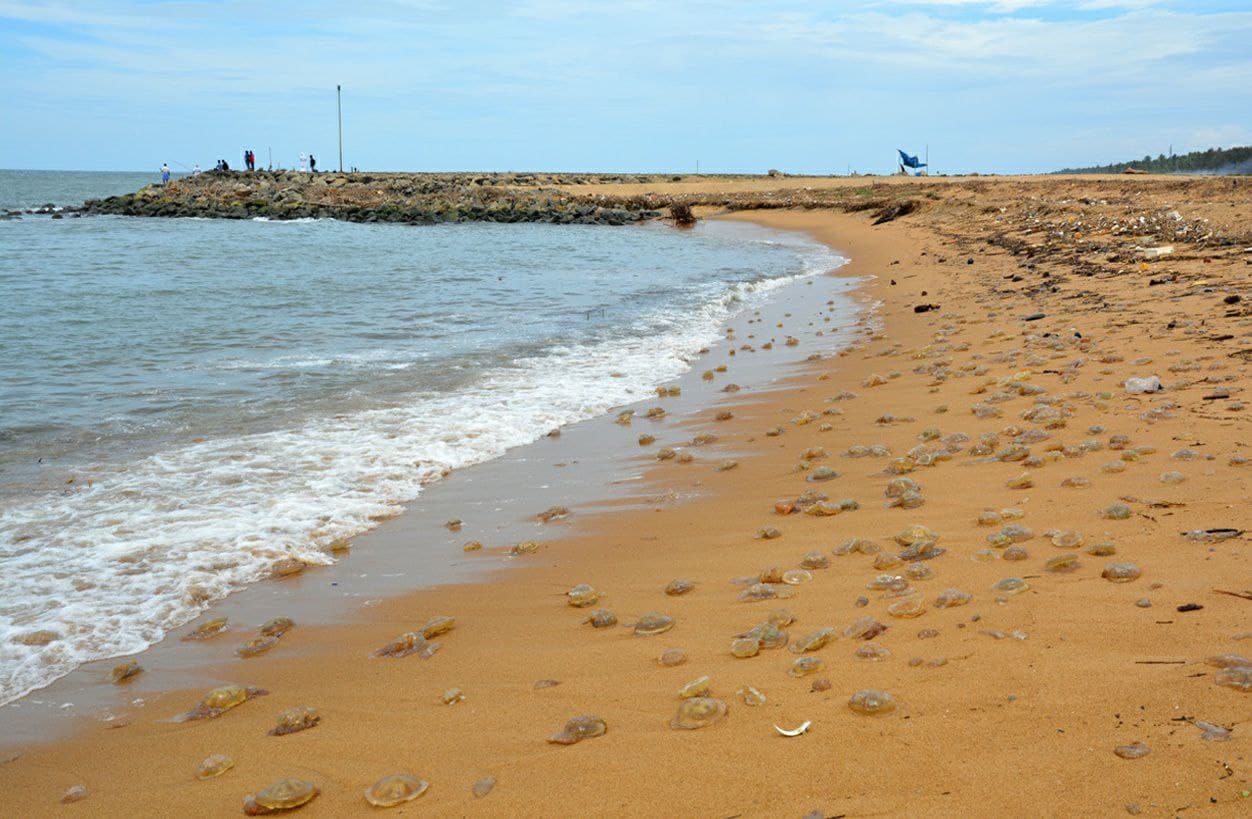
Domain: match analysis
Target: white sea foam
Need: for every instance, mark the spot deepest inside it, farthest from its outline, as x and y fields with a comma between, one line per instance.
x=108, y=571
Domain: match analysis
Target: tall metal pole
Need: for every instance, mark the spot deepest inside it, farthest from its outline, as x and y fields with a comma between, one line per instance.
x=339, y=105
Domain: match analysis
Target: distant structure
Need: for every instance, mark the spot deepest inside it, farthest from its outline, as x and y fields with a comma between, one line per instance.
x=910, y=162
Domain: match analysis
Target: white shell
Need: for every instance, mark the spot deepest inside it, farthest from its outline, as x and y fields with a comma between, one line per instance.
x=794, y=732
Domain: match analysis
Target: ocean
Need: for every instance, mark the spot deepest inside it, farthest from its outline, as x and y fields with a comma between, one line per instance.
x=185, y=401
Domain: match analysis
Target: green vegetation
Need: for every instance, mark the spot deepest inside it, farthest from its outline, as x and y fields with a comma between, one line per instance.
x=1223, y=160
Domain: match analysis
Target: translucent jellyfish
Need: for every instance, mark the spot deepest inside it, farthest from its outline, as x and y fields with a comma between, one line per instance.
x=888, y=582
x=1066, y=539
x=671, y=657
x=677, y=587
x=579, y=728
x=907, y=608
x=758, y=591
x=1102, y=549
x=395, y=789
x=1135, y=750
x=1017, y=533
x=602, y=618
x=821, y=474
x=872, y=652
x=256, y=646
x=814, y=560
x=1118, y=511
x=864, y=628
x=1062, y=563
x=745, y=647
x=751, y=696
x=1010, y=586
x=768, y=533
x=582, y=596
x=1212, y=732
x=887, y=560
x=285, y=794
x=126, y=671
x=812, y=642
x=1022, y=481
x=914, y=534
x=1228, y=661
x=918, y=571
x=699, y=687
x=872, y=702
x=208, y=629
x=1121, y=572
x=1014, y=553
x=653, y=623
x=698, y=712
x=219, y=701
x=808, y=664
x=1238, y=678
x=295, y=719
x=214, y=766
x=794, y=577
x=483, y=786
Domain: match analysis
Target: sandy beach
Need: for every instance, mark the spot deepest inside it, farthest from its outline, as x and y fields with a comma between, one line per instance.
x=984, y=399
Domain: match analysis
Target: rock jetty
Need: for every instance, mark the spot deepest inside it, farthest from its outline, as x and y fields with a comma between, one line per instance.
x=380, y=197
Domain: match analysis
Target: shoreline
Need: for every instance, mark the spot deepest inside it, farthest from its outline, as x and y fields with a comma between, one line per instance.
x=581, y=467
x=1054, y=703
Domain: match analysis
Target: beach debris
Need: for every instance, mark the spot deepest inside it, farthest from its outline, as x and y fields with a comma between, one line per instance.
x=872, y=702
x=586, y=726
x=582, y=595
x=699, y=687
x=214, y=766
x=453, y=525
x=646, y=439
x=452, y=696
x=677, y=587
x=282, y=795
x=220, y=700
x=653, y=623
x=74, y=793
x=698, y=712
x=1135, y=750
x=768, y=533
x=208, y=629
x=794, y=732
x=553, y=513
x=483, y=786
x=395, y=789
x=671, y=657
x=472, y=546
x=295, y=719
x=546, y=683
x=1121, y=572
x=602, y=618
x=125, y=671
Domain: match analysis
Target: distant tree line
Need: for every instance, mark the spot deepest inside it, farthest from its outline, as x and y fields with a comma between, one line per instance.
x=1224, y=160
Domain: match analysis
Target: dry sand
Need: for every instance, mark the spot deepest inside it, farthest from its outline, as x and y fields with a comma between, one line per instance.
x=1007, y=726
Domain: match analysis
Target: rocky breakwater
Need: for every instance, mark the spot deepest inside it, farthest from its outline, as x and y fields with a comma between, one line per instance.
x=382, y=197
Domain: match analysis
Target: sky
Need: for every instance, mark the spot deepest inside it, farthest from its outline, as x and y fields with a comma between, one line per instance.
x=631, y=85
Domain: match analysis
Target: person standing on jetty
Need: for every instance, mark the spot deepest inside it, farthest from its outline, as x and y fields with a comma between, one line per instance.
x=312, y=164
x=165, y=174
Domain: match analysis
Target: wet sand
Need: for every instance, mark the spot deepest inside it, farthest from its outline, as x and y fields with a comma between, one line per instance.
x=1038, y=688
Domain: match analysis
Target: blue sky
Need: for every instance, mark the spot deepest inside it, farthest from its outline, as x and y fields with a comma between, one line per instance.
x=631, y=85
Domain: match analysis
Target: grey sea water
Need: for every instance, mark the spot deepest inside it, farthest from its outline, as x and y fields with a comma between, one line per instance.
x=183, y=401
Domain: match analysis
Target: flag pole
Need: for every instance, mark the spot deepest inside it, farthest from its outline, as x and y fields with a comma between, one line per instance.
x=339, y=106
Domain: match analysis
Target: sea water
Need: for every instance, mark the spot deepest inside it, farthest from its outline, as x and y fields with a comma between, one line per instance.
x=185, y=401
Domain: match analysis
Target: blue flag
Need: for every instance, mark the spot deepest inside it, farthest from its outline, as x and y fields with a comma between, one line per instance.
x=910, y=161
